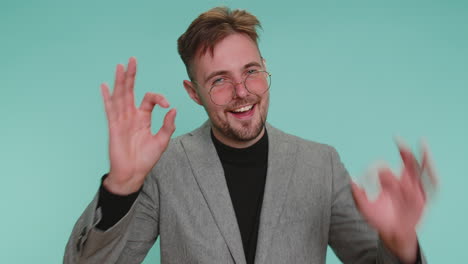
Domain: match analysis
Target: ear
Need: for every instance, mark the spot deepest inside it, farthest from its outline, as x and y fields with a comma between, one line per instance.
x=192, y=91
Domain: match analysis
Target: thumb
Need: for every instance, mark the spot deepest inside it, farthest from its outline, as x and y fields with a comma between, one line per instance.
x=167, y=129
x=361, y=200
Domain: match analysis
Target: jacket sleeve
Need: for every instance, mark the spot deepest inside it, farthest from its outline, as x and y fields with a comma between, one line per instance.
x=350, y=237
x=128, y=241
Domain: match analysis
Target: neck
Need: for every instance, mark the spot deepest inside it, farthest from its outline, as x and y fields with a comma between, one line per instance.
x=236, y=143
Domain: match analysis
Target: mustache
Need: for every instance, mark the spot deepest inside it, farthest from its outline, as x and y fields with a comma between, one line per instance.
x=242, y=102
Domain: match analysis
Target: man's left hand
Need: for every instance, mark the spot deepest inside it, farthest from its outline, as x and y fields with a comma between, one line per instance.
x=398, y=208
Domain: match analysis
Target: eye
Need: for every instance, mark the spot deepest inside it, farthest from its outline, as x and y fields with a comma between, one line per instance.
x=218, y=81
x=252, y=71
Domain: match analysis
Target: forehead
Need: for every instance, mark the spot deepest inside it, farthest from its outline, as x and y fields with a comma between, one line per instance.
x=230, y=54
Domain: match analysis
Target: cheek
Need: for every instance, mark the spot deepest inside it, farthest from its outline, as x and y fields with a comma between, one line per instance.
x=214, y=110
x=266, y=100
x=206, y=102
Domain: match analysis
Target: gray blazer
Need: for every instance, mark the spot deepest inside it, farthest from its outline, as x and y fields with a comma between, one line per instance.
x=307, y=205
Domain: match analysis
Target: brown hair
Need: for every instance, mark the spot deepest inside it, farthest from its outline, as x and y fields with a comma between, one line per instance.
x=209, y=28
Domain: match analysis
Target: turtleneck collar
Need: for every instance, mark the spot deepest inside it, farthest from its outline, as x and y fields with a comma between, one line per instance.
x=250, y=156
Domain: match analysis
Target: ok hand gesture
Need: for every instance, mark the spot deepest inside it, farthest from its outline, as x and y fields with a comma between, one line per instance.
x=133, y=149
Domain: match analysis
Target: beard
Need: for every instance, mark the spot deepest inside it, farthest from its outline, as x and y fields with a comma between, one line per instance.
x=248, y=129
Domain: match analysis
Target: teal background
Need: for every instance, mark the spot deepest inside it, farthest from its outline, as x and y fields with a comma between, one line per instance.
x=351, y=74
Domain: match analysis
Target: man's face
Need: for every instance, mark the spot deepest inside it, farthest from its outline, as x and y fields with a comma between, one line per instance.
x=240, y=122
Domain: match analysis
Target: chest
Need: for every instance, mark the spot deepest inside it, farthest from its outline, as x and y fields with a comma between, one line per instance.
x=199, y=217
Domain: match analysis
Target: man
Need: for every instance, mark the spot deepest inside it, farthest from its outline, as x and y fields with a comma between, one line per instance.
x=235, y=190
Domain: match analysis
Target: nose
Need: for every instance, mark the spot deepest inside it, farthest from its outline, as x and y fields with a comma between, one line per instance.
x=240, y=90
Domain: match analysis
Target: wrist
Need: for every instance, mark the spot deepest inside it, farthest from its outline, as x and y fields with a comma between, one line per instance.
x=120, y=187
x=404, y=246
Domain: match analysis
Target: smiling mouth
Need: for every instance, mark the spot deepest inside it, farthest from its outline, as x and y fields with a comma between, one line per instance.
x=244, y=111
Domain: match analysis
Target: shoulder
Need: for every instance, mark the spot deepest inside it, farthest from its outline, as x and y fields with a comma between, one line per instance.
x=314, y=152
x=174, y=150
x=175, y=153
x=198, y=135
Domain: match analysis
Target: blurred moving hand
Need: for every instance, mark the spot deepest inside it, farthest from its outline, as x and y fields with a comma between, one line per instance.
x=133, y=149
x=399, y=207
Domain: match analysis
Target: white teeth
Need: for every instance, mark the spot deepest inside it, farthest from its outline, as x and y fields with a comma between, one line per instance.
x=243, y=109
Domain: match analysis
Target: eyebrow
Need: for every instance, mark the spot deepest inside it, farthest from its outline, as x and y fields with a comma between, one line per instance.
x=246, y=66
x=213, y=74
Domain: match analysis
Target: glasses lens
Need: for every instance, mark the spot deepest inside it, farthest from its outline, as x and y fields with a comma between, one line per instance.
x=222, y=94
x=258, y=82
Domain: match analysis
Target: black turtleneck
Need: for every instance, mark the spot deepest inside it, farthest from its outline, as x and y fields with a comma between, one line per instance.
x=245, y=171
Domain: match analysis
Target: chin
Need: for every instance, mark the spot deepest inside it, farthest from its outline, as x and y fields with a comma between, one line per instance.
x=242, y=131
x=249, y=133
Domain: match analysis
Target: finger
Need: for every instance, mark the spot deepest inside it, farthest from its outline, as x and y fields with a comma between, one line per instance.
x=425, y=157
x=427, y=164
x=408, y=187
x=118, y=82
x=130, y=74
x=152, y=99
x=410, y=163
x=424, y=170
x=388, y=181
x=129, y=83
x=105, y=94
x=429, y=179
x=107, y=99
x=361, y=200
x=168, y=127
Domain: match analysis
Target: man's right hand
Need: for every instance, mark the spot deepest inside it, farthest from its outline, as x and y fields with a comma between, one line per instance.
x=133, y=149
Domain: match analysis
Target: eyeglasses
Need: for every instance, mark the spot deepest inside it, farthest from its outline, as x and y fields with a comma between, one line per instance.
x=223, y=89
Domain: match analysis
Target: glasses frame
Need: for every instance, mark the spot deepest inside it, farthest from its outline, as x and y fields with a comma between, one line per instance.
x=245, y=86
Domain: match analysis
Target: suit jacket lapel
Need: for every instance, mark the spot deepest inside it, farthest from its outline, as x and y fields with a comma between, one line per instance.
x=281, y=164
x=210, y=177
